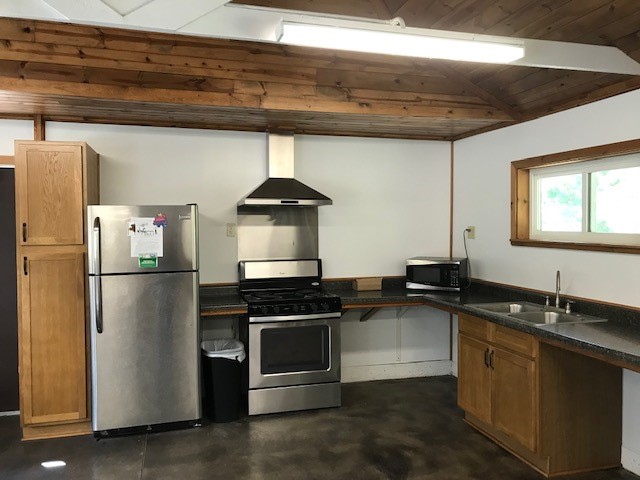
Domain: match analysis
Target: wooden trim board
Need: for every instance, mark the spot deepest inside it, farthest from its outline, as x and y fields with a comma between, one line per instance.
x=521, y=202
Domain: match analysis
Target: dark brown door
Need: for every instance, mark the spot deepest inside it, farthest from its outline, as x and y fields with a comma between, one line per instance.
x=8, y=303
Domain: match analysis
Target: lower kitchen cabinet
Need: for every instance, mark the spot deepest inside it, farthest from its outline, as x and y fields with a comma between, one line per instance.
x=513, y=394
x=474, y=378
x=53, y=365
x=557, y=410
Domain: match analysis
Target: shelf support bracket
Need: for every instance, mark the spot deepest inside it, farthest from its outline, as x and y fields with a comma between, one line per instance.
x=368, y=314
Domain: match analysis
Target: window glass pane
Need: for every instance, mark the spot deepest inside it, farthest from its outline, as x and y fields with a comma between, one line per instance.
x=561, y=203
x=615, y=201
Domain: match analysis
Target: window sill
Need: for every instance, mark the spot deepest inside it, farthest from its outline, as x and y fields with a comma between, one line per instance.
x=597, y=247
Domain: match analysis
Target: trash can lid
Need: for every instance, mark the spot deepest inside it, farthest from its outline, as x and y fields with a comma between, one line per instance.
x=224, y=348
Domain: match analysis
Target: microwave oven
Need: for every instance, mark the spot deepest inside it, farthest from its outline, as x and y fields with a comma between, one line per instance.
x=437, y=273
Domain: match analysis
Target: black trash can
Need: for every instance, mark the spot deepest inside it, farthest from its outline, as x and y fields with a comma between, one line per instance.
x=221, y=361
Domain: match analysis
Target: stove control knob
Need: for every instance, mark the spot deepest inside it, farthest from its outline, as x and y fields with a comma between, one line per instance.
x=296, y=308
x=314, y=307
x=264, y=310
x=276, y=309
x=325, y=306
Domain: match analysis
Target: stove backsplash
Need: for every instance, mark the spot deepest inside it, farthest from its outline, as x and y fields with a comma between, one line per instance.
x=277, y=232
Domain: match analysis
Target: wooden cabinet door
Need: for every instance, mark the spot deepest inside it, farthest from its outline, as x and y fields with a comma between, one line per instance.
x=474, y=378
x=514, y=396
x=49, y=194
x=52, y=337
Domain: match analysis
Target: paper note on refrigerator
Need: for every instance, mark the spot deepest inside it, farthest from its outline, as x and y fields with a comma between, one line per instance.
x=146, y=238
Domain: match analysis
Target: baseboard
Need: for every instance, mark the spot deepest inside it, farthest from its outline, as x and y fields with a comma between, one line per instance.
x=364, y=373
x=10, y=413
x=56, y=431
x=630, y=460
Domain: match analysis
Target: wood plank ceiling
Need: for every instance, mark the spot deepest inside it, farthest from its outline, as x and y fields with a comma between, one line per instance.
x=89, y=74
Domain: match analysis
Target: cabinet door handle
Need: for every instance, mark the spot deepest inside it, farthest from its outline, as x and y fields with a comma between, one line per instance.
x=24, y=265
x=491, y=359
x=24, y=232
x=486, y=357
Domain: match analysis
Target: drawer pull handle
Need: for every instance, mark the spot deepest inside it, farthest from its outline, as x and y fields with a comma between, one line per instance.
x=24, y=232
x=491, y=360
x=486, y=357
x=24, y=265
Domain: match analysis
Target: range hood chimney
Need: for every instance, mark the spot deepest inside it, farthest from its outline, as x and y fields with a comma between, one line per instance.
x=281, y=188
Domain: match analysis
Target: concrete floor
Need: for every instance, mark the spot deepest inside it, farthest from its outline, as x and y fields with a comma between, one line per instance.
x=392, y=429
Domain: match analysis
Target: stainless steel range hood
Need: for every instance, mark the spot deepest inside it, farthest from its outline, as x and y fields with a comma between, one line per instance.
x=281, y=188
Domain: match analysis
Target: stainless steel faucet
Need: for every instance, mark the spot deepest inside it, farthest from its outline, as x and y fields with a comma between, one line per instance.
x=558, y=289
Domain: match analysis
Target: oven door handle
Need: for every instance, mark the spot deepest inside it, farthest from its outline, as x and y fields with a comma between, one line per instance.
x=289, y=318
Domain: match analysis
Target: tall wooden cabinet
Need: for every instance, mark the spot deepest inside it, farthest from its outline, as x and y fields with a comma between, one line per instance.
x=54, y=183
x=557, y=410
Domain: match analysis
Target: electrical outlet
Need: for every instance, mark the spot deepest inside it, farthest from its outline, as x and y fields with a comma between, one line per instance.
x=471, y=233
x=231, y=229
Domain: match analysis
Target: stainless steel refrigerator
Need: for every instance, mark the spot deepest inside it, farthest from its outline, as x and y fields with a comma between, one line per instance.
x=145, y=333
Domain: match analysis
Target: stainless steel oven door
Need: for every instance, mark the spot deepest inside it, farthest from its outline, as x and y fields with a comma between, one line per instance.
x=294, y=353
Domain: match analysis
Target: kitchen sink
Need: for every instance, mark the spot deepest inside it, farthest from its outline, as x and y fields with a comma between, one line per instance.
x=535, y=314
x=552, y=318
x=509, y=307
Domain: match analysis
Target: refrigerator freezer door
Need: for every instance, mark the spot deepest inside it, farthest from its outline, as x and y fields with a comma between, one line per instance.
x=115, y=246
x=146, y=362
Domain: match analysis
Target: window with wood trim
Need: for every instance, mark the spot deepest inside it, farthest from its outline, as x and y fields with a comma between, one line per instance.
x=587, y=199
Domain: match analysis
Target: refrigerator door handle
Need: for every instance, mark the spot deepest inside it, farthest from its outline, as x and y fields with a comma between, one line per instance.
x=95, y=259
x=96, y=305
x=94, y=270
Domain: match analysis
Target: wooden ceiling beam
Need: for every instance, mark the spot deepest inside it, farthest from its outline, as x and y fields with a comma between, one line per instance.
x=127, y=112
x=267, y=102
x=151, y=78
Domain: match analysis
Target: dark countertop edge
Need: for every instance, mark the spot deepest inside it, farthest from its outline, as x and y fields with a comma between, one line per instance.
x=600, y=351
x=225, y=300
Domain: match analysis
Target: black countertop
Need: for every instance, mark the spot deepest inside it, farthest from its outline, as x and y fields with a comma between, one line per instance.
x=617, y=340
x=394, y=291
x=221, y=301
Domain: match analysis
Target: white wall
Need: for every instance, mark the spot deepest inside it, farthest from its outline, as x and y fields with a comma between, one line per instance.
x=11, y=130
x=388, y=194
x=390, y=201
x=397, y=342
x=482, y=198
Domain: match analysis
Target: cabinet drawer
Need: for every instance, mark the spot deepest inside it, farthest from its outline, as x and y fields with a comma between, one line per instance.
x=514, y=340
x=473, y=326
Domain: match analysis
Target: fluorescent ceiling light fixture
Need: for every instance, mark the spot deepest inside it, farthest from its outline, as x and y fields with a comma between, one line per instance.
x=398, y=40
x=53, y=464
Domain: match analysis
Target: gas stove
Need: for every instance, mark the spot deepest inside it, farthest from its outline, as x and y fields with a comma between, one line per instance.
x=304, y=301
x=283, y=288
x=293, y=334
